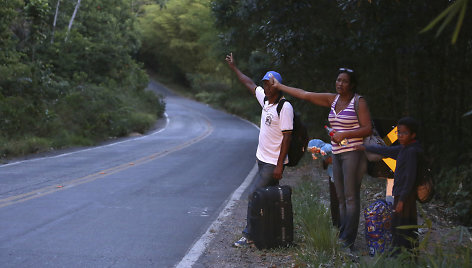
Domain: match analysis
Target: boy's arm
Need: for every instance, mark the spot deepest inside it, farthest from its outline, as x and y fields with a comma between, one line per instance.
x=388, y=151
x=410, y=173
x=246, y=81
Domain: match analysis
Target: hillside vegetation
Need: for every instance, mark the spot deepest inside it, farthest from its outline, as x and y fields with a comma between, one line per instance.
x=69, y=75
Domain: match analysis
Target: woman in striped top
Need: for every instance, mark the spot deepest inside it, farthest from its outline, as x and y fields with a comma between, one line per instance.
x=349, y=164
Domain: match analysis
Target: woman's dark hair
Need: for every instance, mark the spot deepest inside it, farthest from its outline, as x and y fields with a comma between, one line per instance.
x=352, y=77
x=410, y=123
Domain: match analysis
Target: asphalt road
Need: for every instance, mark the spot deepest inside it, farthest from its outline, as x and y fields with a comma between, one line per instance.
x=137, y=202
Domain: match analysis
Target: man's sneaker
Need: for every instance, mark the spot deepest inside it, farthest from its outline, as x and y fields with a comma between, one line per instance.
x=243, y=242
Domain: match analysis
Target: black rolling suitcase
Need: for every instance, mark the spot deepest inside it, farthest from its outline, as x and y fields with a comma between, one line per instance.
x=272, y=217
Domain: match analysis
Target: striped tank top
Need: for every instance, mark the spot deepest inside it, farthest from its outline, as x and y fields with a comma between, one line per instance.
x=343, y=121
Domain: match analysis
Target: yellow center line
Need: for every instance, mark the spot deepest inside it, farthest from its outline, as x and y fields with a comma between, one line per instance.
x=101, y=174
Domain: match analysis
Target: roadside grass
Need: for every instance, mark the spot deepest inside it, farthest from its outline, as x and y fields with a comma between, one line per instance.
x=317, y=236
x=445, y=253
x=28, y=145
x=24, y=146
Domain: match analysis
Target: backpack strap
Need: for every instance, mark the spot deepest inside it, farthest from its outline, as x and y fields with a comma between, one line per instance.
x=280, y=104
x=356, y=104
x=356, y=108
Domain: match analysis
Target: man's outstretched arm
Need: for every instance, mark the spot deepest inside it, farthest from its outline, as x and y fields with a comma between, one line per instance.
x=246, y=81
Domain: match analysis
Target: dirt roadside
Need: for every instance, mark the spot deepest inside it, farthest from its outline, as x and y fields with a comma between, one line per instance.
x=221, y=253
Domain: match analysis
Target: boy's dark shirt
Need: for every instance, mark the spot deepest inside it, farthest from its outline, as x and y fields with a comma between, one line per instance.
x=406, y=167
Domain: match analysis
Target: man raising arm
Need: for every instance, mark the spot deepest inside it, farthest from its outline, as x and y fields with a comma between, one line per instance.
x=274, y=135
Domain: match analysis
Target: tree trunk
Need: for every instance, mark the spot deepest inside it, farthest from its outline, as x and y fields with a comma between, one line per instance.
x=55, y=20
x=72, y=18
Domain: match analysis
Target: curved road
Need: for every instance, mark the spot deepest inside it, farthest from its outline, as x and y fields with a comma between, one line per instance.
x=139, y=202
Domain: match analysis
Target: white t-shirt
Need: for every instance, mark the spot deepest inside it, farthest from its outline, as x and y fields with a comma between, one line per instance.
x=270, y=135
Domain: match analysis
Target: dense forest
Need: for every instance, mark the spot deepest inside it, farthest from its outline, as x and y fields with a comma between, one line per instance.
x=73, y=72
x=69, y=74
x=402, y=70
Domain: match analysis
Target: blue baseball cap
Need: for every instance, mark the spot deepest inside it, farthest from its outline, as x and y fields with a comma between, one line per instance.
x=269, y=74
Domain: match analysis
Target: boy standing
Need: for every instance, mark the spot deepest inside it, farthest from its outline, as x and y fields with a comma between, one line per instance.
x=407, y=155
x=274, y=137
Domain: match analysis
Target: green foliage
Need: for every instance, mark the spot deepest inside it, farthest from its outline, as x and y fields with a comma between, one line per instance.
x=101, y=113
x=455, y=188
x=24, y=146
x=7, y=14
x=73, y=92
x=456, y=8
x=179, y=38
x=18, y=115
x=443, y=253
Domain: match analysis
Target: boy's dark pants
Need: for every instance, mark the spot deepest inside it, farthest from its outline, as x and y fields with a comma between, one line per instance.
x=403, y=237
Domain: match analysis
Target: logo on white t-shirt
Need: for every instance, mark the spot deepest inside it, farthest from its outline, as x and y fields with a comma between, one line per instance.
x=268, y=119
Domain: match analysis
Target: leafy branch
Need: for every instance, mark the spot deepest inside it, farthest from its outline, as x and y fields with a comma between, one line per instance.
x=459, y=7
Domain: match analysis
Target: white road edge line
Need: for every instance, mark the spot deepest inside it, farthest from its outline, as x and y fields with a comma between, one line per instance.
x=90, y=149
x=199, y=247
